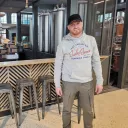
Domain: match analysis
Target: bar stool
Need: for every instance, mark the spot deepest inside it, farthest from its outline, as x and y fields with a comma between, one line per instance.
x=46, y=80
x=21, y=84
x=78, y=108
x=6, y=88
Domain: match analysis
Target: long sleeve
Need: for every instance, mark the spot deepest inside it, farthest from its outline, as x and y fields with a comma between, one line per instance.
x=58, y=65
x=96, y=64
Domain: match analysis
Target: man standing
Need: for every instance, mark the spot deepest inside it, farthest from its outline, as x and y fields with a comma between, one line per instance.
x=76, y=55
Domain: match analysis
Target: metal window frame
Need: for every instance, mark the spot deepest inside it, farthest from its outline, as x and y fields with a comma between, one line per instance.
x=124, y=53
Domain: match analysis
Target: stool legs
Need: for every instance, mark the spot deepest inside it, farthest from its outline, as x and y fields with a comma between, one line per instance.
x=14, y=108
x=17, y=89
x=21, y=100
x=94, y=115
x=30, y=94
x=35, y=96
x=20, y=104
x=58, y=103
x=10, y=105
x=78, y=109
x=43, y=98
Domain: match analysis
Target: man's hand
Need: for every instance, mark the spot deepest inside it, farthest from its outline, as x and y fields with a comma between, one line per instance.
x=59, y=91
x=99, y=89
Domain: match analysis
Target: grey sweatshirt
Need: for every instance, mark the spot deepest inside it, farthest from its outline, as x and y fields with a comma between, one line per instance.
x=75, y=59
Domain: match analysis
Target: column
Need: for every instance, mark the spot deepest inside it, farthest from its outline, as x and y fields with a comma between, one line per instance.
x=18, y=27
x=35, y=31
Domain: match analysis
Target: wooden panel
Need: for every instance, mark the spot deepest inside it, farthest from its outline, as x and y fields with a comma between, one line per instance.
x=12, y=73
x=18, y=72
x=36, y=71
x=51, y=69
x=3, y=79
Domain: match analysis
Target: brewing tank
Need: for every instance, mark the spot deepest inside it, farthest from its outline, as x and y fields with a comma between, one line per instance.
x=59, y=26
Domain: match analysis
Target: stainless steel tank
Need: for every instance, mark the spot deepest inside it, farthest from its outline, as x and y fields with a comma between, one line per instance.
x=52, y=28
x=82, y=10
x=59, y=26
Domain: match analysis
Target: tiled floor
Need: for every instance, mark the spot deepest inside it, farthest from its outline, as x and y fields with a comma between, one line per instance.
x=111, y=112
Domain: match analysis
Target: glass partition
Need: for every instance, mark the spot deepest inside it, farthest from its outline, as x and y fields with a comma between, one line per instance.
x=98, y=18
x=103, y=24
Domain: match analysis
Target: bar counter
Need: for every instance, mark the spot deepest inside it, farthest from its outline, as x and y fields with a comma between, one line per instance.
x=31, y=62
x=12, y=70
x=26, y=62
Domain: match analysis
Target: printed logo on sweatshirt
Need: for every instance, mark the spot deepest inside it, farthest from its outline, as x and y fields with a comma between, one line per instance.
x=80, y=51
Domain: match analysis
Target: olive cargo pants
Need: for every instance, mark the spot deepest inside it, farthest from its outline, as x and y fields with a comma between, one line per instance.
x=86, y=93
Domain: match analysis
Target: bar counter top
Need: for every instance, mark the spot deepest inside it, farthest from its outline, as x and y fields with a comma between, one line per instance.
x=34, y=61
x=26, y=62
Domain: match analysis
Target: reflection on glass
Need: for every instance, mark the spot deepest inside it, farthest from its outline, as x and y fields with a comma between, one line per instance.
x=107, y=28
x=25, y=42
x=98, y=20
x=102, y=24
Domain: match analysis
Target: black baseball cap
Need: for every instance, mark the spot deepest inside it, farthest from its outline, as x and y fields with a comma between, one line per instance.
x=74, y=17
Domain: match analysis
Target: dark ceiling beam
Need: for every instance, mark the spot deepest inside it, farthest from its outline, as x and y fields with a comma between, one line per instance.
x=14, y=6
x=1, y=2
x=53, y=2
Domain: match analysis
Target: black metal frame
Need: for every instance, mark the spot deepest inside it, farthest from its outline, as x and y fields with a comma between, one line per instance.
x=104, y=12
x=112, y=39
x=88, y=18
x=124, y=53
x=19, y=27
x=35, y=31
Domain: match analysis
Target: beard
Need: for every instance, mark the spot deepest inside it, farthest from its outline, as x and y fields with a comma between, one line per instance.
x=76, y=31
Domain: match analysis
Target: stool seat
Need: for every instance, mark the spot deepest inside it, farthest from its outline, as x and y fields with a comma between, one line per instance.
x=47, y=78
x=5, y=88
x=25, y=82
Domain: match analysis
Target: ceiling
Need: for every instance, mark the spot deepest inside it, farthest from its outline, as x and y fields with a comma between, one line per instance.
x=13, y=6
x=52, y=1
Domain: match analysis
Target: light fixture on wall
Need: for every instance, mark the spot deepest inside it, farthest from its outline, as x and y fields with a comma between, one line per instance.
x=100, y=2
x=2, y=14
x=26, y=6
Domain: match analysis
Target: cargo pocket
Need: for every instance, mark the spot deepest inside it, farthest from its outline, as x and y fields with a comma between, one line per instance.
x=68, y=97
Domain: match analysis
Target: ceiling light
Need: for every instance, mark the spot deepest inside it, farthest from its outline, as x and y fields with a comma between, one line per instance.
x=100, y=2
x=26, y=6
x=2, y=14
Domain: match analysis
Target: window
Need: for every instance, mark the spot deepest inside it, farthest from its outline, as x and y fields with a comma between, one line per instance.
x=3, y=19
x=14, y=18
x=120, y=14
x=25, y=18
x=3, y=33
x=107, y=17
x=29, y=18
